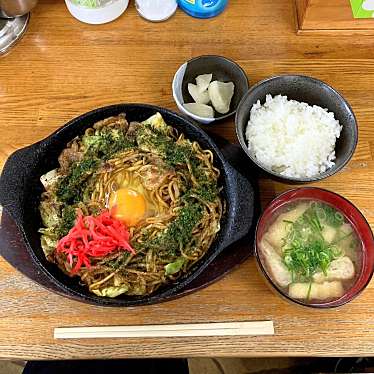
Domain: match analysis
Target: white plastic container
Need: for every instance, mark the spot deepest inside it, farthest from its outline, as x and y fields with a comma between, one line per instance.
x=156, y=10
x=106, y=13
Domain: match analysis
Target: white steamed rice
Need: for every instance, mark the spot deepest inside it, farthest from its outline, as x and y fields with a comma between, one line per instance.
x=293, y=138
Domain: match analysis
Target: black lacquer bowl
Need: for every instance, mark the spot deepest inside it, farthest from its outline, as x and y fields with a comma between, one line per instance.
x=313, y=92
x=20, y=191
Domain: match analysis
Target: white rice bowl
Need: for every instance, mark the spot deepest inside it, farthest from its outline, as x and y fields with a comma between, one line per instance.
x=292, y=138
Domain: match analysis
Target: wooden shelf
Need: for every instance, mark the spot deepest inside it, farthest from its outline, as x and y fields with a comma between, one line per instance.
x=332, y=16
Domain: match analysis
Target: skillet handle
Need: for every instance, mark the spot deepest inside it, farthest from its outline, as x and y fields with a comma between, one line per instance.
x=242, y=196
x=241, y=219
x=18, y=171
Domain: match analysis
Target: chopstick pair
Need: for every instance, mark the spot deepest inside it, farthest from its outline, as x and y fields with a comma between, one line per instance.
x=254, y=328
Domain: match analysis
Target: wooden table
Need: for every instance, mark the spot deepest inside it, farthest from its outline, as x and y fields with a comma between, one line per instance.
x=63, y=68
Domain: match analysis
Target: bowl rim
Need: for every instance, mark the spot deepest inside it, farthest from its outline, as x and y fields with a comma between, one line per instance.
x=351, y=292
x=329, y=172
x=208, y=120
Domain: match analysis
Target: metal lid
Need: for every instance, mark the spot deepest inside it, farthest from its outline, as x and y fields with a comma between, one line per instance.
x=11, y=30
x=156, y=10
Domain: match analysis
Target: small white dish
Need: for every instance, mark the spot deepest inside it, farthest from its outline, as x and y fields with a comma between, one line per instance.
x=223, y=70
x=178, y=97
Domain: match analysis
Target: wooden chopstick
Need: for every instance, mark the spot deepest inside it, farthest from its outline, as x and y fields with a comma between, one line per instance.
x=154, y=331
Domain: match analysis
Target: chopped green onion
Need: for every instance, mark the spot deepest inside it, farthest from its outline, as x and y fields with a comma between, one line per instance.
x=305, y=251
x=339, y=217
x=309, y=290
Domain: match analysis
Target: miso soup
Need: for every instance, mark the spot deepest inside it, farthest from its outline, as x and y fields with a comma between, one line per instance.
x=311, y=252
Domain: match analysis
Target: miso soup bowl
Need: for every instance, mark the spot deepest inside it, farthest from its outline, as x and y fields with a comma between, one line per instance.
x=351, y=214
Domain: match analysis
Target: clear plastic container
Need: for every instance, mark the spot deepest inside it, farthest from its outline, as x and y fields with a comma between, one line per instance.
x=97, y=11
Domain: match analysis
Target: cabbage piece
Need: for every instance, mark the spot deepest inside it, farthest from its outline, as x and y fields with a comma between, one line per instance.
x=200, y=110
x=203, y=81
x=157, y=122
x=49, y=179
x=48, y=241
x=111, y=291
x=91, y=141
x=174, y=267
x=138, y=289
x=145, y=135
x=50, y=213
x=220, y=94
x=199, y=97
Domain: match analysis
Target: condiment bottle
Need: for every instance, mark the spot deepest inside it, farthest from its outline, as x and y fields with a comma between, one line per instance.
x=203, y=8
x=156, y=10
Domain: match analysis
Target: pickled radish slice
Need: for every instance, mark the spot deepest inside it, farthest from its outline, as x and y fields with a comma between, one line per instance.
x=199, y=97
x=203, y=81
x=200, y=110
x=221, y=94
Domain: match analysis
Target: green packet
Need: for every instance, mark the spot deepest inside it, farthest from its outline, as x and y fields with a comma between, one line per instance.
x=362, y=8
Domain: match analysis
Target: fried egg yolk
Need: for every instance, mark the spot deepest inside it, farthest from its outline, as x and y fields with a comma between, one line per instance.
x=128, y=206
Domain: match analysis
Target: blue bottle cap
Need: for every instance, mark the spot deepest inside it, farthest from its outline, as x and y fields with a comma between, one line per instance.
x=203, y=8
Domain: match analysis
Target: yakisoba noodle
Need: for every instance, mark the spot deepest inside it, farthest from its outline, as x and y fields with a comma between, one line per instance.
x=170, y=180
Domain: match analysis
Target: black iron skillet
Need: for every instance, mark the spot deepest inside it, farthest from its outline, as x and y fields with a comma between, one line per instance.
x=20, y=191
